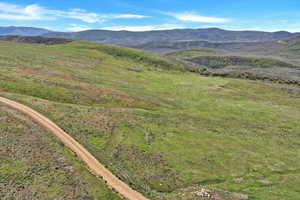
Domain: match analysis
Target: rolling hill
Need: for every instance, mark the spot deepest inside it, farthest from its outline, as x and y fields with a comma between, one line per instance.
x=169, y=133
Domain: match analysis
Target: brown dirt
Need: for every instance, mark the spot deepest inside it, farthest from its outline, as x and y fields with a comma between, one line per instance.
x=93, y=164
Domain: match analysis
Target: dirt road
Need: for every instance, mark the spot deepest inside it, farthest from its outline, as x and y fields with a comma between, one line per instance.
x=93, y=164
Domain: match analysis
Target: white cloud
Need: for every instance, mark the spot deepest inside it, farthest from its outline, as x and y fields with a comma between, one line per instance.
x=144, y=28
x=35, y=12
x=78, y=27
x=79, y=14
x=129, y=16
x=194, y=17
x=16, y=12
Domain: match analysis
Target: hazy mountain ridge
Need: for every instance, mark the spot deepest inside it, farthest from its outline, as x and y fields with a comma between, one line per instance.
x=23, y=31
x=127, y=38
x=161, y=41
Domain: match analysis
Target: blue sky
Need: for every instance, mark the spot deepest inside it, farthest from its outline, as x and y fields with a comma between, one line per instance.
x=143, y=15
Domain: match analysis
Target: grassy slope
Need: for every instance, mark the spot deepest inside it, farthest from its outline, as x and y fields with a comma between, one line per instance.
x=36, y=166
x=165, y=132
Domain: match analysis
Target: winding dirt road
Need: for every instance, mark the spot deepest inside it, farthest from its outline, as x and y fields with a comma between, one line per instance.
x=93, y=164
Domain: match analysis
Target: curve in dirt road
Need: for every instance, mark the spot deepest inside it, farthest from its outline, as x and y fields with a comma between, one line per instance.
x=93, y=164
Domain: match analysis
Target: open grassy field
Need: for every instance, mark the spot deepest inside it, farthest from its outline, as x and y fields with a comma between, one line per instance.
x=166, y=132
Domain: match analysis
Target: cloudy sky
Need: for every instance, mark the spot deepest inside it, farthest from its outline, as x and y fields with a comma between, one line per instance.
x=143, y=15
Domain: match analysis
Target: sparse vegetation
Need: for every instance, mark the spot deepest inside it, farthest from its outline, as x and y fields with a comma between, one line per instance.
x=170, y=134
x=217, y=62
x=34, y=165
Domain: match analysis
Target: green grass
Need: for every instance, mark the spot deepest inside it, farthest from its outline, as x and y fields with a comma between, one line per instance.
x=34, y=165
x=166, y=132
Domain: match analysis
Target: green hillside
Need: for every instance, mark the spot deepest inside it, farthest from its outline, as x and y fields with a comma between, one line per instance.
x=166, y=132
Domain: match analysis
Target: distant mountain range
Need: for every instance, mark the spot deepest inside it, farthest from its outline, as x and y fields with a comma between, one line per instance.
x=158, y=41
x=23, y=31
x=126, y=38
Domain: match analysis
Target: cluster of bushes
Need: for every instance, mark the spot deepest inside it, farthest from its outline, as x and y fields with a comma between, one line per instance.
x=217, y=62
x=35, y=40
x=242, y=75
